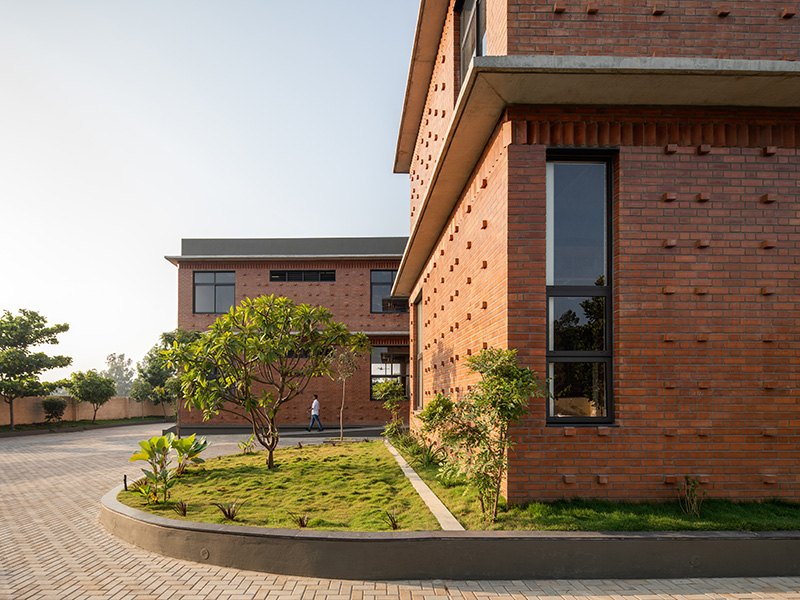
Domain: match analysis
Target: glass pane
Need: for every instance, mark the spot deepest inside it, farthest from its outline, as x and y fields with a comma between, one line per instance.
x=224, y=298
x=294, y=276
x=204, y=298
x=204, y=277
x=578, y=389
x=226, y=277
x=327, y=276
x=310, y=275
x=379, y=292
x=578, y=324
x=382, y=276
x=579, y=224
x=277, y=276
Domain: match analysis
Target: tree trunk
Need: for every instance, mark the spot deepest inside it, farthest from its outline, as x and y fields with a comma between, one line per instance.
x=94, y=416
x=267, y=436
x=10, y=402
x=341, y=413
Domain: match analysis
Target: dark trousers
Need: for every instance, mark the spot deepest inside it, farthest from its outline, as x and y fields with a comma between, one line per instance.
x=315, y=418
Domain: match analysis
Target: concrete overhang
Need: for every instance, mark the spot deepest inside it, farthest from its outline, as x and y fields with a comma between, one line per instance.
x=176, y=260
x=495, y=82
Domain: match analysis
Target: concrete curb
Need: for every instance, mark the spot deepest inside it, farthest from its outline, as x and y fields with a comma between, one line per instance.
x=460, y=555
x=446, y=519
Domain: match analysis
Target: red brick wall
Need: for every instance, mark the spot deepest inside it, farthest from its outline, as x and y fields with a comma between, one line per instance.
x=348, y=298
x=705, y=291
x=687, y=28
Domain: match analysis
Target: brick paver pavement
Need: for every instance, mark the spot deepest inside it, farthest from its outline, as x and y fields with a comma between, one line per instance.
x=52, y=546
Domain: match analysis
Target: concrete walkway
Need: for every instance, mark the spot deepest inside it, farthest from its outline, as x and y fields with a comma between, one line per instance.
x=52, y=547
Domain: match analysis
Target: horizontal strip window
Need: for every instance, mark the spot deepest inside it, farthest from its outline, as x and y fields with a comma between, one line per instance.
x=302, y=275
x=388, y=363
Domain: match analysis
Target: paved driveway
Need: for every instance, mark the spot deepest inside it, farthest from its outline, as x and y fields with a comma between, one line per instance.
x=52, y=546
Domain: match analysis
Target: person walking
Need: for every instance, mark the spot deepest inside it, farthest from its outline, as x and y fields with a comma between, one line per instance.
x=315, y=414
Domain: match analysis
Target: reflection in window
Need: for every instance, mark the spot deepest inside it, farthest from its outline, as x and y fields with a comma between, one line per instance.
x=387, y=363
x=381, y=300
x=578, y=294
x=213, y=291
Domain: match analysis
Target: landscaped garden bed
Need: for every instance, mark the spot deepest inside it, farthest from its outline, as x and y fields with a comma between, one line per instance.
x=349, y=487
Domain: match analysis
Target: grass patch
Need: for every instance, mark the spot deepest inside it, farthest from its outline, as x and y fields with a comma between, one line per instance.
x=602, y=515
x=347, y=487
x=83, y=423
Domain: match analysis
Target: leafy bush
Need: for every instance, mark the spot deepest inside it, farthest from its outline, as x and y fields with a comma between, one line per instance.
x=188, y=450
x=392, y=393
x=54, y=408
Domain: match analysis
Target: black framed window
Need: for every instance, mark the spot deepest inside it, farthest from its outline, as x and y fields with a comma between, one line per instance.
x=214, y=291
x=381, y=301
x=302, y=275
x=579, y=359
x=473, y=32
x=418, y=354
x=388, y=363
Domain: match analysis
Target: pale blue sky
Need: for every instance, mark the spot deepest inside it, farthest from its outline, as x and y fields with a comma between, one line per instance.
x=128, y=125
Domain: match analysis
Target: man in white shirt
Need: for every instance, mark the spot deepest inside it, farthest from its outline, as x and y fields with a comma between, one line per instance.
x=315, y=414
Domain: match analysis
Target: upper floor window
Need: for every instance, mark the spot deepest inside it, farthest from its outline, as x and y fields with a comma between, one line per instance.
x=473, y=32
x=381, y=300
x=213, y=291
x=302, y=275
x=578, y=288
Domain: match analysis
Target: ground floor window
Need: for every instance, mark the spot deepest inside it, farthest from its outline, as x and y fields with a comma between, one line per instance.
x=387, y=363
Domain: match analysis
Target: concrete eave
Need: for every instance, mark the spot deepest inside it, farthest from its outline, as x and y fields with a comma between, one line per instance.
x=430, y=23
x=176, y=260
x=495, y=82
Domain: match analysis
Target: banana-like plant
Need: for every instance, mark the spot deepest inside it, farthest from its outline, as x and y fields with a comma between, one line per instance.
x=188, y=450
x=156, y=452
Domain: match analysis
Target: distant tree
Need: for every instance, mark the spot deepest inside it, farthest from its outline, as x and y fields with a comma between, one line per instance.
x=90, y=387
x=259, y=356
x=20, y=368
x=156, y=380
x=119, y=369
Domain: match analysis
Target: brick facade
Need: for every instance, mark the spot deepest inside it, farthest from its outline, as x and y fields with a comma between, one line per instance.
x=705, y=245
x=348, y=298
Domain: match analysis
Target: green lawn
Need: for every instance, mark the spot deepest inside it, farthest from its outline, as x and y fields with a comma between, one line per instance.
x=346, y=487
x=599, y=515
x=83, y=423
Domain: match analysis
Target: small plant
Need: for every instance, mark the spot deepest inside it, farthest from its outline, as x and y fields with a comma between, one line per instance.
x=299, y=445
x=188, y=450
x=392, y=393
x=246, y=446
x=156, y=452
x=391, y=519
x=231, y=509
x=690, y=496
x=300, y=520
x=54, y=408
x=180, y=508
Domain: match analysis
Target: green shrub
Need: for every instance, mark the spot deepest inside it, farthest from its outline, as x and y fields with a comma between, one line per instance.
x=54, y=408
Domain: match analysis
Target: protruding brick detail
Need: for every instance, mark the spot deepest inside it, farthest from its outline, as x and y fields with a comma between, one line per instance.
x=703, y=478
x=484, y=224
x=768, y=338
x=703, y=432
x=669, y=197
x=702, y=337
x=569, y=479
x=700, y=291
x=703, y=243
x=569, y=431
x=670, y=479
x=769, y=432
x=669, y=289
x=703, y=385
x=704, y=149
x=767, y=199
x=766, y=244
x=604, y=431
x=484, y=183
x=770, y=478
x=559, y=8
x=670, y=432
x=703, y=197
x=602, y=479
x=669, y=148
x=723, y=11
x=592, y=9
x=669, y=337
x=772, y=385
x=670, y=243
x=669, y=385
x=767, y=290
x=770, y=150
x=787, y=13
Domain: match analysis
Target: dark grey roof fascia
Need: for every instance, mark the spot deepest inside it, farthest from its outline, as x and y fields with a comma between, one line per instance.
x=292, y=248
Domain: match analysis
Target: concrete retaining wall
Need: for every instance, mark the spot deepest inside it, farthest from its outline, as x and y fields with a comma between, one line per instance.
x=459, y=555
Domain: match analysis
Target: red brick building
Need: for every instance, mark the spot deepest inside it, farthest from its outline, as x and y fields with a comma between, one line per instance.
x=350, y=276
x=612, y=189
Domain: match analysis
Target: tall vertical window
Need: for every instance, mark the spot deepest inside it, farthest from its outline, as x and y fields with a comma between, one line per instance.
x=381, y=301
x=213, y=291
x=418, y=354
x=388, y=363
x=473, y=32
x=578, y=288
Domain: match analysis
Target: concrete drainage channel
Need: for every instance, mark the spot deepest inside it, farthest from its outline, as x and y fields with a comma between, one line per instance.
x=458, y=554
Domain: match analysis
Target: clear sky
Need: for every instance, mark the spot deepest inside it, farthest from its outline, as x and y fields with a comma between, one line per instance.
x=127, y=125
